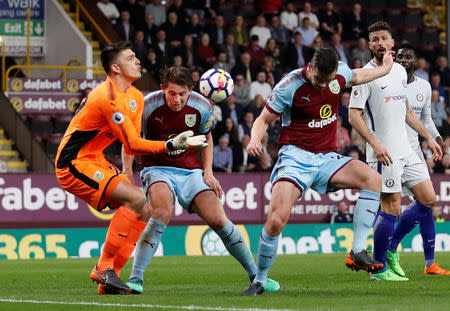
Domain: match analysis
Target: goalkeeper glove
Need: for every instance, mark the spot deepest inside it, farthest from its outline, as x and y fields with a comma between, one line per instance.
x=186, y=140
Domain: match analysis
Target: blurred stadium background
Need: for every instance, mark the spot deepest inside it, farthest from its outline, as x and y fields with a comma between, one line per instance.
x=50, y=66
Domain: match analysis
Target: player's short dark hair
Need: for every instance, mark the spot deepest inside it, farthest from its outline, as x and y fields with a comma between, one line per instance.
x=325, y=60
x=406, y=46
x=177, y=75
x=110, y=52
x=380, y=25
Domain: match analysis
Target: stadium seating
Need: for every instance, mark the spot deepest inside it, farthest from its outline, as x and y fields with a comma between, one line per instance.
x=9, y=157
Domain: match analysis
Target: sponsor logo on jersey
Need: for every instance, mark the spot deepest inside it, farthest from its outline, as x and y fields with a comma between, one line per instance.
x=98, y=175
x=325, y=111
x=390, y=183
x=306, y=98
x=133, y=105
x=396, y=97
x=190, y=119
x=405, y=84
x=334, y=86
x=118, y=117
x=320, y=124
x=383, y=87
x=419, y=97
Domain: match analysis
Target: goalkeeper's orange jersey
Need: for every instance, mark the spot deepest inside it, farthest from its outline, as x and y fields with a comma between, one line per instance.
x=105, y=115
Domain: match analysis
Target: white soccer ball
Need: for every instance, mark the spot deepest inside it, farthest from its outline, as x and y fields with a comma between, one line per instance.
x=216, y=84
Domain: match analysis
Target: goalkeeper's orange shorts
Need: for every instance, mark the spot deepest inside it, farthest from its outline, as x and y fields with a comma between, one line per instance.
x=93, y=182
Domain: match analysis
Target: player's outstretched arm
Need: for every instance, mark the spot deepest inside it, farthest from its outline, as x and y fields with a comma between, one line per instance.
x=356, y=119
x=259, y=128
x=414, y=122
x=363, y=75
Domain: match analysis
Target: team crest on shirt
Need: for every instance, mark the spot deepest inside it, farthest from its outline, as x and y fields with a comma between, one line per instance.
x=281, y=171
x=190, y=119
x=133, y=105
x=419, y=97
x=390, y=183
x=334, y=86
x=98, y=175
x=404, y=83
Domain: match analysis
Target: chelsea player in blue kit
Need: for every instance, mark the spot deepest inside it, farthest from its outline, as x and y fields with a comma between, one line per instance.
x=172, y=110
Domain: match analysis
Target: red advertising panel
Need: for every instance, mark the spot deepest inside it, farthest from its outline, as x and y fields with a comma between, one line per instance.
x=37, y=201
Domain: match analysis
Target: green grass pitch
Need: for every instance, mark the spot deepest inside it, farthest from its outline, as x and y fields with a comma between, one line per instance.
x=308, y=282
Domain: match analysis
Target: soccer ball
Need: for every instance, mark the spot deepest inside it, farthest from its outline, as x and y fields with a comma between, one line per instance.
x=216, y=84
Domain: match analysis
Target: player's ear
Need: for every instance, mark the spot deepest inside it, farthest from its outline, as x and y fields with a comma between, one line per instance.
x=115, y=68
x=162, y=87
x=191, y=89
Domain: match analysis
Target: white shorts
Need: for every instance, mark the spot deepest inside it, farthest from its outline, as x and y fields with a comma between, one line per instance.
x=405, y=191
x=405, y=172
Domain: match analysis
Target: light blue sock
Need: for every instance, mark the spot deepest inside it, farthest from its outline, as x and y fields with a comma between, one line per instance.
x=235, y=244
x=267, y=251
x=365, y=210
x=146, y=247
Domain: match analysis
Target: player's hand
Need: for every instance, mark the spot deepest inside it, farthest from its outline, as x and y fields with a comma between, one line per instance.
x=382, y=154
x=388, y=59
x=254, y=148
x=186, y=140
x=211, y=181
x=437, y=151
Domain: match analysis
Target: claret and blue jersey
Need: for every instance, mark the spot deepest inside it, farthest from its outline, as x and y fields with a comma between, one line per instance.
x=159, y=122
x=308, y=115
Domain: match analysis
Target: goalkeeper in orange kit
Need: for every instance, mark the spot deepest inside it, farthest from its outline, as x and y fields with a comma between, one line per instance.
x=112, y=111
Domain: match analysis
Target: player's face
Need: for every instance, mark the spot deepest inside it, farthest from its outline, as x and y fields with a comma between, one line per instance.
x=128, y=65
x=176, y=95
x=380, y=42
x=406, y=58
x=319, y=80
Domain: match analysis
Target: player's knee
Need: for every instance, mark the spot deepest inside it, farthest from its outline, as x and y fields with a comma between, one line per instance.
x=162, y=212
x=275, y=224
x=138, y=201
x=372, y=181
x=217, y=222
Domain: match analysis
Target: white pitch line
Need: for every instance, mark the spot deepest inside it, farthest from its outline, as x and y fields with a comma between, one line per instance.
x=148, y=306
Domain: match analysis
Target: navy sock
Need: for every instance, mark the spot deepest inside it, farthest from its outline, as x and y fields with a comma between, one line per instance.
x=428, y=232
x=384, y=227
x=410, y=217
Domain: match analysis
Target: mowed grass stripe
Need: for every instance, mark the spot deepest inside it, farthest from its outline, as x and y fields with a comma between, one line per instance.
x=308, y=282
